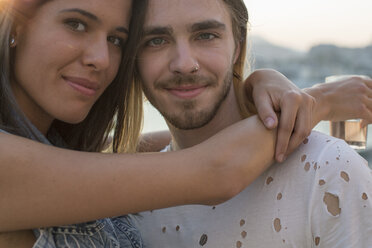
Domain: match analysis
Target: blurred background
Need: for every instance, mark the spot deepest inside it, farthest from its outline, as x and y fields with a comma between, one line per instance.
x=309, y=40
x=306, y=41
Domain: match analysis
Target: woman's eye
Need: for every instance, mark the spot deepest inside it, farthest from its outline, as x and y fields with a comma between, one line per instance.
x=76, y=25
x=206, y=36
x=116, y=41
x=156, y=42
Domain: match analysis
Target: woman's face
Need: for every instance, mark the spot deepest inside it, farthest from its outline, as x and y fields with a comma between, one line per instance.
x=66, y=56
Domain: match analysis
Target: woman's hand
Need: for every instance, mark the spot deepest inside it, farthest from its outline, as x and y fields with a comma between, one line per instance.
x=272, y=94
x=342, y=100
x=300, y=110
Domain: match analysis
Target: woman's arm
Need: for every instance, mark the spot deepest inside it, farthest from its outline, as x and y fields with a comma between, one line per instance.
x=41, y=185
x=342, y=100
x=17, y=239
x=301, y=110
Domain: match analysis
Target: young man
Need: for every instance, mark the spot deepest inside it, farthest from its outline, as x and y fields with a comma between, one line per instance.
x=190, y=59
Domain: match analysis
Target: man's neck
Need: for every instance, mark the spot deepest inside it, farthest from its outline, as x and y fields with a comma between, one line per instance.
x=227, y=114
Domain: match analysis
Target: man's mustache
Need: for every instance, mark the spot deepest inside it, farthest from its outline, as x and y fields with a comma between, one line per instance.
x=180, y=80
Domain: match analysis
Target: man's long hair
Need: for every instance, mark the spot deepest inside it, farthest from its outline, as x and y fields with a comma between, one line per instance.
x=240, y=24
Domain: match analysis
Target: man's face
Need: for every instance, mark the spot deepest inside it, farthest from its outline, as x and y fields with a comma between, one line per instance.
x=186, y=59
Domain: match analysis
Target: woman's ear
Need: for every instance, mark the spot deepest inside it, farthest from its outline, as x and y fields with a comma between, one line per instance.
x=15, y=35
x=12, y=41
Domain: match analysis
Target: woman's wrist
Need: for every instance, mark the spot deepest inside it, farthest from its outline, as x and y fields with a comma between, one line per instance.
x=322, y=106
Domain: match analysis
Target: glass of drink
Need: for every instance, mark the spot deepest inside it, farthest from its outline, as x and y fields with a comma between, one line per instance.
x=350, y=130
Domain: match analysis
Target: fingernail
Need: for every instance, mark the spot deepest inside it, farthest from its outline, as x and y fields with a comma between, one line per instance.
x=281, y=158
x=269, y=122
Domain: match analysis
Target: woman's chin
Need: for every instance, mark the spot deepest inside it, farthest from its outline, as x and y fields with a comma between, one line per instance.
x=72, y=118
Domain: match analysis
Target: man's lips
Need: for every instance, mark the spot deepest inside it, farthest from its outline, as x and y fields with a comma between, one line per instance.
x=82, y=85
x=186, y=92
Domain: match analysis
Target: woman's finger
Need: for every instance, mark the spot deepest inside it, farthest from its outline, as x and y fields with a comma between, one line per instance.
x=265, y=110
x=285, y=129
x=302, y=128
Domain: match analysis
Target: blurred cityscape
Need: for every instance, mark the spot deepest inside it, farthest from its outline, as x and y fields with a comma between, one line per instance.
x=308, y=68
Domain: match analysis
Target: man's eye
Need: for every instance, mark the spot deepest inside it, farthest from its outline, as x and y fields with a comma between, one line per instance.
x=116, y=41
x=206, y=36
x=156, y=42
x=76, y=25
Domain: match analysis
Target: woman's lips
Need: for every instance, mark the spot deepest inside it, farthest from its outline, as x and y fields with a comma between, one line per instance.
x=82, y=85
x=187, y=92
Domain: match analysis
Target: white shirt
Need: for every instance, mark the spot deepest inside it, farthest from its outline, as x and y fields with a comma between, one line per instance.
x=320, y=197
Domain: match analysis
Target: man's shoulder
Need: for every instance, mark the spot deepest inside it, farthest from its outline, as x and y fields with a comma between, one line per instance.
x=340, y=184
x=319, y=147
x=320, y=156
x=318, y=142
x=329, y=152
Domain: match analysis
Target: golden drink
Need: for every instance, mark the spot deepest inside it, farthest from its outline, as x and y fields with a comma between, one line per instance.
x=350, y=131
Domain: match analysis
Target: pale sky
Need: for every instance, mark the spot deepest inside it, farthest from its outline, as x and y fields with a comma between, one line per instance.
x=302, y=23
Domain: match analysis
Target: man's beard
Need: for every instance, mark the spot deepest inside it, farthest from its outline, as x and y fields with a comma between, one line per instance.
x=190, y=118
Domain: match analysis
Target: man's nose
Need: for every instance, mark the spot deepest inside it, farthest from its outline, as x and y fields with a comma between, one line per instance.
x=184, y=60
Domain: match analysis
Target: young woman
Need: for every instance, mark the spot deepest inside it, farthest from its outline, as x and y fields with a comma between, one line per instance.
x=66, y=72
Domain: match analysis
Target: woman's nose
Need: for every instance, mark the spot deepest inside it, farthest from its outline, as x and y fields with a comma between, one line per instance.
x=96, y=54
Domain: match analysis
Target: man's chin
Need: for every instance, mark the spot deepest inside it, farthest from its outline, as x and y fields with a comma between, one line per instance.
x=190, y=121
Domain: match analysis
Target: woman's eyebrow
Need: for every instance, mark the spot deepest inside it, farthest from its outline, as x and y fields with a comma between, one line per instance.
x=123, y=30
x=82, y=12
x=93, y=18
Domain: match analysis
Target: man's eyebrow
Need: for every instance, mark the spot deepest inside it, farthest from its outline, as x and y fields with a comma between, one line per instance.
x=158, y=30
x=93, y=17
x=209, y=24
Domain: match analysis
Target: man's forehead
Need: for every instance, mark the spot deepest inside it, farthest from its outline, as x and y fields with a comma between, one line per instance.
x=186, y=12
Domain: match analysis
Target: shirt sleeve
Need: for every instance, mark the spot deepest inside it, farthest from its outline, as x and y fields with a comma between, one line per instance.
x=341, y=202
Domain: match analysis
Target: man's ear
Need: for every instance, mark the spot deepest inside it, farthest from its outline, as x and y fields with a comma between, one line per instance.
x=237, y=52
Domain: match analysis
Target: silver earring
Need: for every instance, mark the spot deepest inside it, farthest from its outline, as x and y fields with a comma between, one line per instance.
x=12, y=42
x=196, y=68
